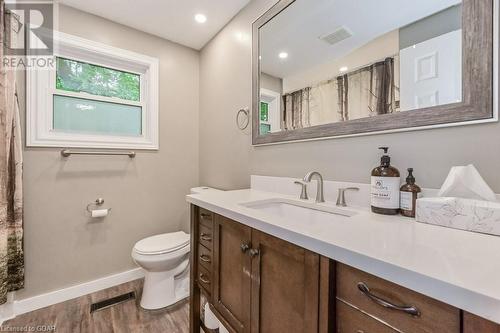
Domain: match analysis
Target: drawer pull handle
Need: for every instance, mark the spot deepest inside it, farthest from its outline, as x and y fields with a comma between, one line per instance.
x=206, y=216
x=206, y=237
x=203, y=279
x=205, y=258
x=411, y=310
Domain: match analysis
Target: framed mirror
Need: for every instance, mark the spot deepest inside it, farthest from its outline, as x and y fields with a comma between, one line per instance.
x=336, y=68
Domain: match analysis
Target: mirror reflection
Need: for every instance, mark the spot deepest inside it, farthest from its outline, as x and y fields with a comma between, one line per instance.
x=328, y=61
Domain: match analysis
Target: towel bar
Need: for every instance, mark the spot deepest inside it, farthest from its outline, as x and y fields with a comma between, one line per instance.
x=67, y=153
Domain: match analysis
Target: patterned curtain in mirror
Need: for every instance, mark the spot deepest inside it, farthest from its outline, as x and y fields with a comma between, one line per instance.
x=369, y=91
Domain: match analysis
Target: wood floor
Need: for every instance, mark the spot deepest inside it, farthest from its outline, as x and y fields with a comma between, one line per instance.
x=74, y=316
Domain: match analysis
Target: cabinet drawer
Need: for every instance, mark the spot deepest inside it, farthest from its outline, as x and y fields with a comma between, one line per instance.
x=350, y=320
x=206, y=237
x=205, y=257
x=206, y=218
x=205, y=279
x=434, y=316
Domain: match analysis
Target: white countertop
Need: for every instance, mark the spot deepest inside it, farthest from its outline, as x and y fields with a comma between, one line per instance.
x=456, y=267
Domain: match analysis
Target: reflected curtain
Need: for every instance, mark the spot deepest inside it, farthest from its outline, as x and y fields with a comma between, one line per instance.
x=11, y=200
x=296, y=109
x=368, y=92
x=323, y=104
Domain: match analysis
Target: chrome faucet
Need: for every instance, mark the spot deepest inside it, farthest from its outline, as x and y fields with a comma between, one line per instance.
x=303, y=192
x=341, y=196
x=319, y=194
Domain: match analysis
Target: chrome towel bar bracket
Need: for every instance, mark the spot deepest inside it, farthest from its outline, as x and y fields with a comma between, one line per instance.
x=68, y=152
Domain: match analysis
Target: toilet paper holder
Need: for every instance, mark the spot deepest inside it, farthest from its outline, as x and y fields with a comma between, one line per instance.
x=96, y=204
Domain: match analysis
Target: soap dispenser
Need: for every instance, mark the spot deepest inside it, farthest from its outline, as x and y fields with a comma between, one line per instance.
x=385, y=183
x=409, y=195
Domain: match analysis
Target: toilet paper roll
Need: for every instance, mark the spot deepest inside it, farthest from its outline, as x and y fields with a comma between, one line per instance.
x=99, y=212
x=211, y=321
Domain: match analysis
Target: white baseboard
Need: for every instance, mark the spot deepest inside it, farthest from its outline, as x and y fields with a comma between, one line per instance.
x=14, y=308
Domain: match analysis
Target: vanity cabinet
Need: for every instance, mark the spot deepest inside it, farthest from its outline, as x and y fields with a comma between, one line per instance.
x=258, y=283
x=475, y=324
x=232, y=273
x=398, y=307
x=285, y=286
x=262, y=283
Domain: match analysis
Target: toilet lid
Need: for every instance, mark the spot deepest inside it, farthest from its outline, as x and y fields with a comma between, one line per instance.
x=163, y=243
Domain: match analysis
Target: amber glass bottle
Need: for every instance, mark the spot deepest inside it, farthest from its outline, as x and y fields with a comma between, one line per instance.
x=385, y=183
x=409, y=195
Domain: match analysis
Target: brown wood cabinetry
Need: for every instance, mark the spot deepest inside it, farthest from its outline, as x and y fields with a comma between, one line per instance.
x=350, y=320
x=475, y=324
x=285, y=286
x=232, y=273
x=432, y=316
x=257, y=283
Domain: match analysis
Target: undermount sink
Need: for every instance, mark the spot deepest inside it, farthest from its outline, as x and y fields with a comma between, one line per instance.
x=298, y=210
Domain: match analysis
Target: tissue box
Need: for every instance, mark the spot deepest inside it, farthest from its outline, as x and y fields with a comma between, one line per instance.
x=466, y=214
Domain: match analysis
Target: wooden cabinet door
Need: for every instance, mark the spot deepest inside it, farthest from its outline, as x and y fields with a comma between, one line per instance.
x=475, y=324
x=231, y=289
x=285, y=286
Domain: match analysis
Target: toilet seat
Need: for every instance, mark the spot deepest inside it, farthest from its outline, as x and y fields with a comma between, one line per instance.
x=162, y=244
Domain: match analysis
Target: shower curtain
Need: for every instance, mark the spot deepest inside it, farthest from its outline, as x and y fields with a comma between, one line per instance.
x=11, y=199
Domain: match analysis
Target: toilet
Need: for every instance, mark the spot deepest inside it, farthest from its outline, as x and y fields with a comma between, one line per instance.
x=165, y=260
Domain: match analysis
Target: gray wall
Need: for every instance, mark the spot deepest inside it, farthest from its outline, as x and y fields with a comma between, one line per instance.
x=62, y=246
x=227, y=158
x=445, y=21
x=271, y=82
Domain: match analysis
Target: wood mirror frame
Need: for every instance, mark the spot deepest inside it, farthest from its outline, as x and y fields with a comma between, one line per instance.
x=477, y=85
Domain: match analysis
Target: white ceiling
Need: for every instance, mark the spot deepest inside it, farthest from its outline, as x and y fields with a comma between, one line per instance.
x=297, y=29
x=169, y=19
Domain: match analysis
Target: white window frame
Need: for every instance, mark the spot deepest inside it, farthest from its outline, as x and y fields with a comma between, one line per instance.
x=41, y=87
x=273, y=99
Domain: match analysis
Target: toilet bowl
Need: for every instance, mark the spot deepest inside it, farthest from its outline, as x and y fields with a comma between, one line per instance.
x=165, y=260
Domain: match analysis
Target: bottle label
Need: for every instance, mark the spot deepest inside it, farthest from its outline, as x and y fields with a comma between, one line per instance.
x=385, y=192
x=406, y=200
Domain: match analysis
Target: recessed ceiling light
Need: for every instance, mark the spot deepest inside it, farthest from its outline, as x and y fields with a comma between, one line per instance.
x=343, y=69
x=200, y=18
x=283, y=55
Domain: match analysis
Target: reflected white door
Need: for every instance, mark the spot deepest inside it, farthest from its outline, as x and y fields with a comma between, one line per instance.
x=431, y=72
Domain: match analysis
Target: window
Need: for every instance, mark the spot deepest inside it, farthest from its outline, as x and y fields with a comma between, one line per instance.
x=264, y=111
x=265, y=126
x=96, y=96
x=76, y=76
x=270, y=109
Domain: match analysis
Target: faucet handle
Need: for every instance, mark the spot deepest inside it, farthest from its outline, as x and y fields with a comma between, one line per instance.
x=341, y=196
x=303, y=192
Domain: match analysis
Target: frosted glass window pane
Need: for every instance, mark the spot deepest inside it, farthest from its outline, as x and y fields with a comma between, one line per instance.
x=83, y=115
x=77, y=76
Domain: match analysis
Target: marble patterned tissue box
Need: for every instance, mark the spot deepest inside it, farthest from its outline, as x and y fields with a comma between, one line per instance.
x=466, y=214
